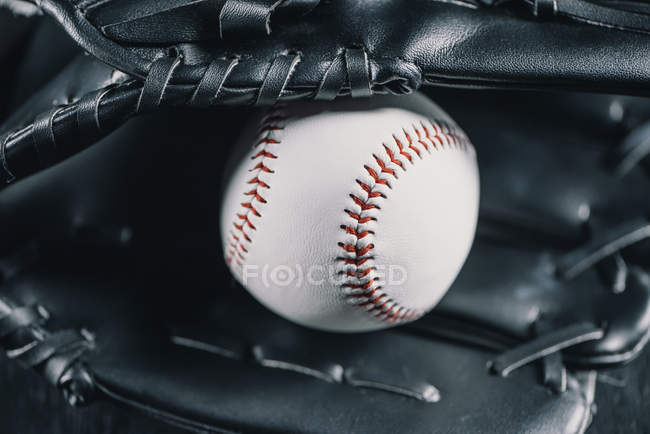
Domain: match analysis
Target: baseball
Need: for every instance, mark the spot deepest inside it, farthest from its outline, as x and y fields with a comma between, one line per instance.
x=353, y=215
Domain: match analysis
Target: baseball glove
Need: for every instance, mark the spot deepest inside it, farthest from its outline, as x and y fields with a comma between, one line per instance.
x=113, y=286
x=239, y=52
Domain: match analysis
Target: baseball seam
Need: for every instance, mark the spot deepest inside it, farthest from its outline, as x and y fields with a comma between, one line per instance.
x=361, y=285
x=238, y=245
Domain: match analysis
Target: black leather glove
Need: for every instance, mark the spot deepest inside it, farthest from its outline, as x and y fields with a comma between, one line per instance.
x=114, y=287
x=237, y=52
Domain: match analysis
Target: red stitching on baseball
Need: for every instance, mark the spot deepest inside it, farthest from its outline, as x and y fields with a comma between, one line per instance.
x=401, y=151
x=260, y=166
x=259, y=182
x=362, y=273
x=236, y=250
x=365, y=289
x=376, y=177
x=358, y=217
x=363, y=205
x=263, y=153
x=353, y=249
x=392, y=159
x=368, y=191
x=413, y=148
x=420, y=141
x=358, y=261
x=352, y=231
x=256, y=196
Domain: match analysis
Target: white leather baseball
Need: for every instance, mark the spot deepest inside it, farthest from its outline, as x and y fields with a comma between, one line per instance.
x=353, y=215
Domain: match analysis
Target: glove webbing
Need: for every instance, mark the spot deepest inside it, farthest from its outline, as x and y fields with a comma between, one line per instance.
x=65, y=130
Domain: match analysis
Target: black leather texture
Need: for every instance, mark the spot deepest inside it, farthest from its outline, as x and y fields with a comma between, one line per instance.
x=112, y=282
x=580, y=44
x=559, y=202
x=111, y=265
x=217, y=52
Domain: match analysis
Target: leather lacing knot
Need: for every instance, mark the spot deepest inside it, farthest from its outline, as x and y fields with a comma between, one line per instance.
x=55, y=355
x=352, y=65
x=605, y=245
x=546, y=347
x=40, y=139
x=207, y=91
